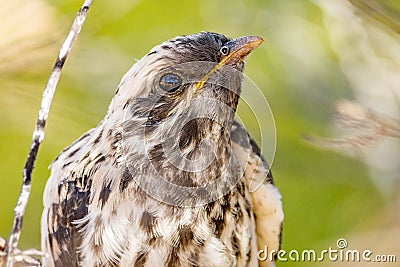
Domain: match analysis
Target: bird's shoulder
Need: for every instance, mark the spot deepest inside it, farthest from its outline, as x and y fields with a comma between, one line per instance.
x=68, y=193
x=266, y=199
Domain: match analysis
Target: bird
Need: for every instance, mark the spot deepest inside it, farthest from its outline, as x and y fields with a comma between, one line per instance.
x=168, y=177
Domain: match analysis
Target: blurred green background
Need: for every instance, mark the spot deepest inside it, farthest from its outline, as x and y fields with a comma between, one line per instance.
x=316, y=53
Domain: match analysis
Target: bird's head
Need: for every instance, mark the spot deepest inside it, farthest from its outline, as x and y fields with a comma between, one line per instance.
x=180, y=100
x=187, y=72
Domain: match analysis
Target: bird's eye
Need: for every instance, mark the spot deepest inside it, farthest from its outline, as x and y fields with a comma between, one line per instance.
x=224, y=50
x=170, y=82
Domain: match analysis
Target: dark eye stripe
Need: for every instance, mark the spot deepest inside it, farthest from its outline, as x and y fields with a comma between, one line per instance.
x=170, y=82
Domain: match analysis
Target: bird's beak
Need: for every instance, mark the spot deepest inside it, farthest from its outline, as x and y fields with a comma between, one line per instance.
x=239, y=49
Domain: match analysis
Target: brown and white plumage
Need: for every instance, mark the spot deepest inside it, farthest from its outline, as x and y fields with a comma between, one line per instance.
x=104, y=203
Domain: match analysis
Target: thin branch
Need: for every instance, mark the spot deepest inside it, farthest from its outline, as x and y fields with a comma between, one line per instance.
x=370, y=127
x=38, y=134
x=377, y=12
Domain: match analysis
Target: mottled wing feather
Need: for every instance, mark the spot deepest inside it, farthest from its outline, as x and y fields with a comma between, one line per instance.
x=65, y=200
x=267, y=205
x=67, y=196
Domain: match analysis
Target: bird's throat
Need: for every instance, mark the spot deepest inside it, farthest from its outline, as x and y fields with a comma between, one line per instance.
x=198, y=155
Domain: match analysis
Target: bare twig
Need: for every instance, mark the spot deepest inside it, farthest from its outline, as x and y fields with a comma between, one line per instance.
x=370, y=127
x=21, y=258
x=12, y=253
x=375, y=10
